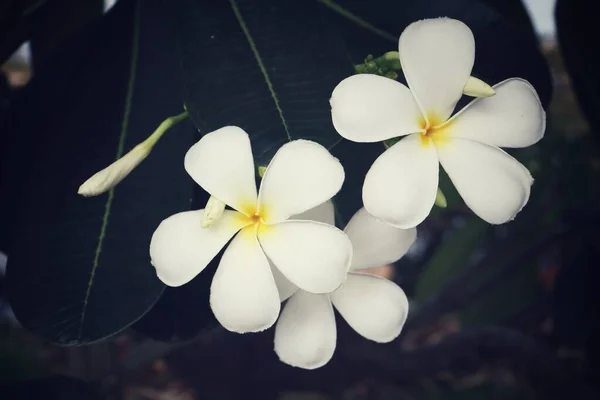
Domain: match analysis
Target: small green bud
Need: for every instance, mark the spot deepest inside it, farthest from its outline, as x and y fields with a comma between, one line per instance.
x=390, y=142
x=440, y=199
x=261, y=170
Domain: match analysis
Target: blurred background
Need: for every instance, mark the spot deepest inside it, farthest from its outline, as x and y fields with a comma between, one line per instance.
x=497, y=312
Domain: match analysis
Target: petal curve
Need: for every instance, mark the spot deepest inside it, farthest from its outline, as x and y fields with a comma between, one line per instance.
x=492, y=183
x=401, y=186
x=180, y=248
x=243, y=294
x=376, y=243
x=222, y=164
x=312, y=255
x=324, y=213
x=302, y=175
x=437, y=57
x=305, y=335
x=374, y=307
x=513, y=117
x=370, y=108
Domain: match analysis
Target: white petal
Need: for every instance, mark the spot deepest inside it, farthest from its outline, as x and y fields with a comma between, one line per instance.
x=302, y=175
x=370, y=108
x=305, y=335
x=493, y=184
x=221, y=162
x=324, y=213
x=437, y=56
x=243, y=294
x=312, y=255
x=374, y=307
x=401, y=186
x=376, y=243
x=180, y=248
x=513, y=117
x=284, y=286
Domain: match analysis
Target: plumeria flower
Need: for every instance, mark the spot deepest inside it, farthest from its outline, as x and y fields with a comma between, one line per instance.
x=305, y=334
x=437, y=56
x=312, y=255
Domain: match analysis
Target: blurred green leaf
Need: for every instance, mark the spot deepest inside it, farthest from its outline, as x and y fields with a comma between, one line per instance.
x=451, y=257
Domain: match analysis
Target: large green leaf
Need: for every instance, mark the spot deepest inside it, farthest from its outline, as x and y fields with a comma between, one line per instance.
x=79, y=268
x=268, y=67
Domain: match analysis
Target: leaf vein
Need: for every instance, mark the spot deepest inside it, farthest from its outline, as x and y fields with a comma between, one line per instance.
x=261, y=64
x=120, y=150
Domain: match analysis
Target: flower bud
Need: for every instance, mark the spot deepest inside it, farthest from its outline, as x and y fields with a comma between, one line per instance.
x=212, y=212
x=104, y=180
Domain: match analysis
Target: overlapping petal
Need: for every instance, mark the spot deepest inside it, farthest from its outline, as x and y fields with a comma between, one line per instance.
x=312, y=255
x=302, y=175
x=243, y=294
x=374, y=307
x=492, y=183
x=401, y=186
x=324, y=213
x=513, y=117
x=437, y=57
x=371, y=108
x=180, y=248
x=221, y=163
x=376, y=243
x=305, y=334
x=284, y=286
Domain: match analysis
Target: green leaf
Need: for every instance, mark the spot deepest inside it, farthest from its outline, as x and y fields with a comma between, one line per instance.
x=451, y=257
x=79, y=268
x=260, y=66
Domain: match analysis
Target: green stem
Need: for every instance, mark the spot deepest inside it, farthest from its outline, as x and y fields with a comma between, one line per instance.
x=163, y=127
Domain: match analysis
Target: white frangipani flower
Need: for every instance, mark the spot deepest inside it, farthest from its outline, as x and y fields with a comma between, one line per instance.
x=305, y=334
x=437, y=56
x=314, y=256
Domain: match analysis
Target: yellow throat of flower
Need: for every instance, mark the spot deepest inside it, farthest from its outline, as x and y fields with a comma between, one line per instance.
x=434, y=130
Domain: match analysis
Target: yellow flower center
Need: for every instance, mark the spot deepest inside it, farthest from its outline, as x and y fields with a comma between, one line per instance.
x=255, y=218
x=434, y=130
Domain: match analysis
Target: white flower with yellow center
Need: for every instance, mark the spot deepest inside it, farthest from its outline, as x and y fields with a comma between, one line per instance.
x=305, y=334
x=437, y=56
x=314, y=256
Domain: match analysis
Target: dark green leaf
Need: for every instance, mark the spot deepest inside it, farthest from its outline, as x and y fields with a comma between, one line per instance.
x=575, y=26
x=79, y=268
x=451, y=257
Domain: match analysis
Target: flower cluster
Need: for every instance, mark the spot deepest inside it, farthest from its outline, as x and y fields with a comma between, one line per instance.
x=281, y=243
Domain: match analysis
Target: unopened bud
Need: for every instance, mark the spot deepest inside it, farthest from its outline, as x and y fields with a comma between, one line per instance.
x=212, y=212
x=110, y=176
x=478, y=88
